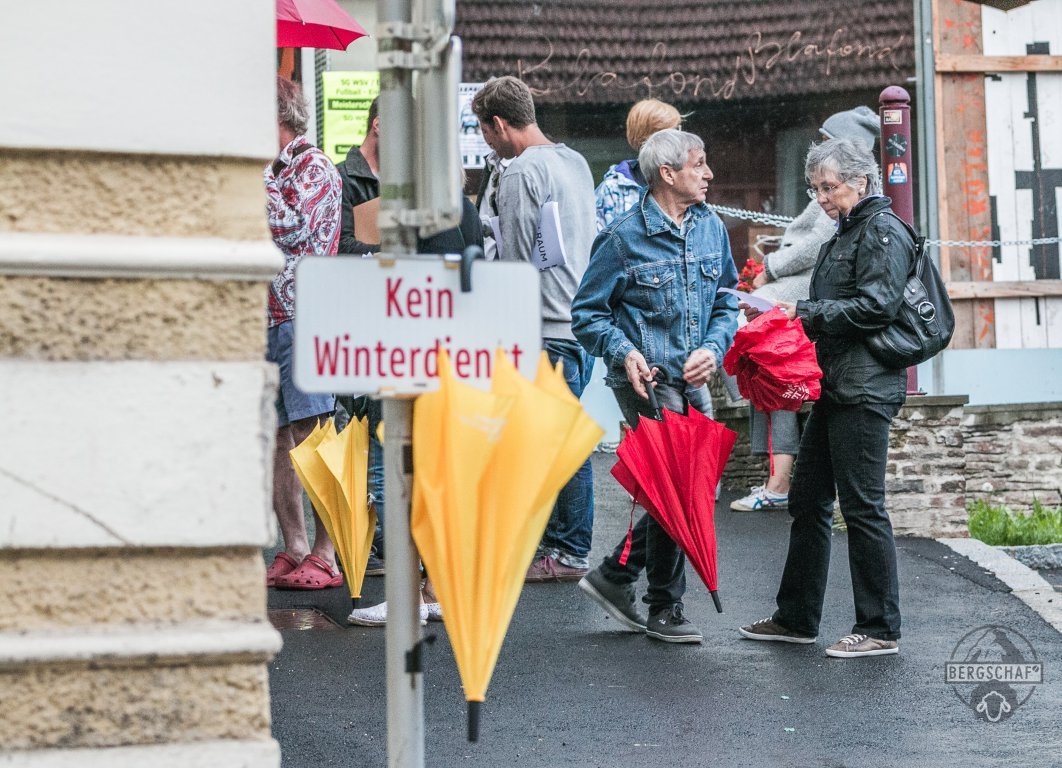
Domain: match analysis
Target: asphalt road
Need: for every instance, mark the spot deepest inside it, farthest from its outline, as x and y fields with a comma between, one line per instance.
x=572, y=690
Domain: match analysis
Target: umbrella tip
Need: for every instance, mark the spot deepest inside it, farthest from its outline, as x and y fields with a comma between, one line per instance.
x=473, y=720
x=715, y=599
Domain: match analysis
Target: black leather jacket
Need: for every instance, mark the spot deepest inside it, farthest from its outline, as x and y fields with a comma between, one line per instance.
x=856, y=288
x=359, y=186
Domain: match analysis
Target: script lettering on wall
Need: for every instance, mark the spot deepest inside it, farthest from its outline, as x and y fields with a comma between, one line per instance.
x=756, y=59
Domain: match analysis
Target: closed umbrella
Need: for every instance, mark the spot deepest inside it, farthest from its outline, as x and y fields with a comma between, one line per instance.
x=487, y=468
x=671, y=467
x=774, y=362
x=775, y=365
x=351, y=522
x=333, y=471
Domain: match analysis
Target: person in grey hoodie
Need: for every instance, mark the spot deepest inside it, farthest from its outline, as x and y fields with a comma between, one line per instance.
x=786, y=276
x=541, y=172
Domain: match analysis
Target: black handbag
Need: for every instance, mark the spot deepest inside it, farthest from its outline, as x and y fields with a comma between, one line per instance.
x=926, y=320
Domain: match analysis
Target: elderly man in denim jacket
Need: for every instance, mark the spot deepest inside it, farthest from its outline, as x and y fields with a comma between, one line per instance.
x=648, y=304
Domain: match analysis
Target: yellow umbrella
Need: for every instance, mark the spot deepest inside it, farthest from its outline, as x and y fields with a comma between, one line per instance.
x=333, y=470
x=482, y=498
x=347, y=460
x=316, y=480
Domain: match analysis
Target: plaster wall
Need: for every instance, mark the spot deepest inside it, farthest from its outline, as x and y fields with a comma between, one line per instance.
x=108, y=587
x=122, y=194
x=136, y=464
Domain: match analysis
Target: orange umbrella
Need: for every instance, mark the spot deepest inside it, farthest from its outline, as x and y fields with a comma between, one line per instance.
x=333, y=469
x=487, y=470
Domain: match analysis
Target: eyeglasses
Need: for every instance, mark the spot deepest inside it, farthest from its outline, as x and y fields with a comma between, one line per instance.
x=814, y=192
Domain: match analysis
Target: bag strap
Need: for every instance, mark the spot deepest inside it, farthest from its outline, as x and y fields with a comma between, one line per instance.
x=278, y=164
x=919, y=240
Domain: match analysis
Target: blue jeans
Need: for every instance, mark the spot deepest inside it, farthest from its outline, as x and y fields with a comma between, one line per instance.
x=785, y=431
x=842, y=454
x=376, y=462
x=292, y=404
x=651, y=548
x=571, y=525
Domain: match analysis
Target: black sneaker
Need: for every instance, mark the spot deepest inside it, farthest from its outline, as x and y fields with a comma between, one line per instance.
x=671, y=626
x=374, y=566
x=616, y=599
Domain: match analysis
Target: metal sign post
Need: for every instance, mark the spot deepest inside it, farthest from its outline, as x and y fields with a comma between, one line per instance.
x=378, y=326
x=897, y=168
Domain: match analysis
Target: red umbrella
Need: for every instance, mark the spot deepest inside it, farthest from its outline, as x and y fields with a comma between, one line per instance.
x=774, y=362
x=315, y=24
x=672, y=467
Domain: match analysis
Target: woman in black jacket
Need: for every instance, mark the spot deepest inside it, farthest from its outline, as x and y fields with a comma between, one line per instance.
x=856, y=289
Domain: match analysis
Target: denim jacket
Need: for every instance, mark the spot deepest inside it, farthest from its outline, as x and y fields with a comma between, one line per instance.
x=651, y=286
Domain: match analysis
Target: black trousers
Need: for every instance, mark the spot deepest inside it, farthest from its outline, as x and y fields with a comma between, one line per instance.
x=842, y=456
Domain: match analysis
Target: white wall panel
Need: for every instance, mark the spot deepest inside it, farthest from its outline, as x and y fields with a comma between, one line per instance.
x=136, y=454
x=185, y=77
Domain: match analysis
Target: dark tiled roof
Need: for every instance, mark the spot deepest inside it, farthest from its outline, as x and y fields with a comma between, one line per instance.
x=618, y=51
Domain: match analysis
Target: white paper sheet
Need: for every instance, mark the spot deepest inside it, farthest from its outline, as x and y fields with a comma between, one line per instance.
x=756, y=302
x=549, y=239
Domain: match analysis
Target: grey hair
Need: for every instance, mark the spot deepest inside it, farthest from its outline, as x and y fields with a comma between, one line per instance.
x=292, y=111
x=850, y=160
x=670, y=147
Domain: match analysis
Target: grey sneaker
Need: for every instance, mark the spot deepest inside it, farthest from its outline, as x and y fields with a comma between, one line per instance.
x=549, y=568
x=671, y=626
x=767, y=629
x=852, y=646
x=375, y=565
x=616, y=599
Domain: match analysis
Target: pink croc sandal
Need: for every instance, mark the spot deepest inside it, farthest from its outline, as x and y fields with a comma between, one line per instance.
x=283, y=564
x=312, y=573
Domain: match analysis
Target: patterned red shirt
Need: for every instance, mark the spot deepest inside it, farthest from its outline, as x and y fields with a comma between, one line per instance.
x=303, y=207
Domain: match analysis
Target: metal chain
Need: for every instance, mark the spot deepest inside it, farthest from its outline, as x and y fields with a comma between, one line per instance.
x=990, y=243
x=781, y=221
x=763, y=218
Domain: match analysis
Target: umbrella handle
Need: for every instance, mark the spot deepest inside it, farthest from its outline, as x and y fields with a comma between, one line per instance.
x=654, y=403
x=470, y=253
x=473, y=720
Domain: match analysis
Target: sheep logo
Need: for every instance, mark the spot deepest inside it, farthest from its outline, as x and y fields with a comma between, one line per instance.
x=993, y=670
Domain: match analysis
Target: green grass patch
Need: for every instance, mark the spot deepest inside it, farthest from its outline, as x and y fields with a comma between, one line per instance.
x=998, y=526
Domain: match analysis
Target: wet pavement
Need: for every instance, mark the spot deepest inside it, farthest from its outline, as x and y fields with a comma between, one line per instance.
x=1053, y=577
x=572, y=690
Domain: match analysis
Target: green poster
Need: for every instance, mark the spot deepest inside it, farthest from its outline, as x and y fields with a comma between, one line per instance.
x=346, y=97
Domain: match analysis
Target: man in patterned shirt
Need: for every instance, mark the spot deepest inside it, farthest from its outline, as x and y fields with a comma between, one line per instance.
x=304, y=195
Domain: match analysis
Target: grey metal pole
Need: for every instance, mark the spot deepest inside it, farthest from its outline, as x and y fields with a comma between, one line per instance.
x=405, y=698
x=396, y=132
x=926, y=104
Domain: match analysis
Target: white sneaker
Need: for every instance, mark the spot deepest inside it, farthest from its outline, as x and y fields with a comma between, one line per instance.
x=376, y=615
x=760, y=499
x=431, y=611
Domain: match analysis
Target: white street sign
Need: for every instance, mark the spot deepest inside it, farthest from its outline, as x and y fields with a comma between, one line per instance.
x=369, y=326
